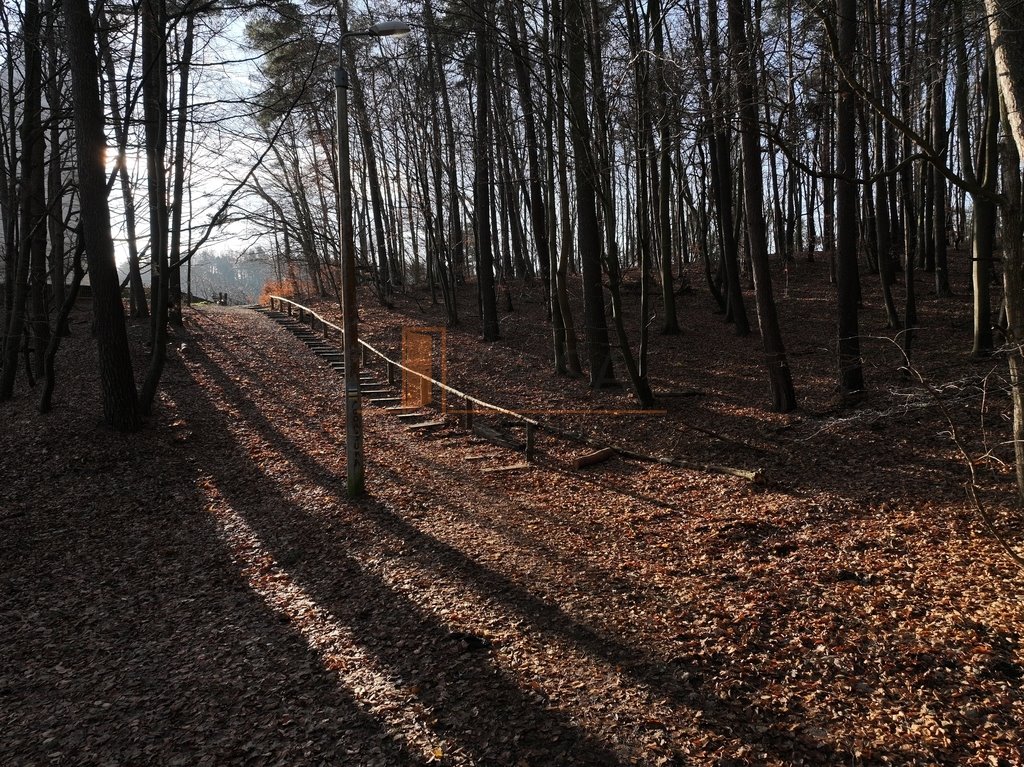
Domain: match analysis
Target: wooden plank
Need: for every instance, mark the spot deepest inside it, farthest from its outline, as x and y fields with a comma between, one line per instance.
x=484, y=456
x=510, y=467
x=425, y=425
x=410, y=416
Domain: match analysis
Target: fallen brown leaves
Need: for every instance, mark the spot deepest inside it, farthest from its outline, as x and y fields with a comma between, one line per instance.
x=202, y=593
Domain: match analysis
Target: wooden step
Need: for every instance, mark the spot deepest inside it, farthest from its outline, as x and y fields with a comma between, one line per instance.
x=411, y=416
x=425, y=425
x=510, y=467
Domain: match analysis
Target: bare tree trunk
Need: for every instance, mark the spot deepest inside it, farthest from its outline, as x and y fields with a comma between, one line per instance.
x=587, y=228
x=561, y=247
x=154, y=95
x=985, y=173
x=383, y=270
x=177, y=200
x=670, y=320
x=907, y=179
x=482, y=189
x=881, y=78
x=779, y=377
x=137, y=290
x=55, y=173
x=538, y=218
x=1006, y=36
x=68, y=303
x=721, y=181
x=33, y=210
x=851, y=376
x=940, y=143
x=120, y=400
x=30, y=258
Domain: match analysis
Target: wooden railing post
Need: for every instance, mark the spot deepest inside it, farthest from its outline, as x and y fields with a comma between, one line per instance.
x=467, y=414
x=391, y=374
x=529, y=441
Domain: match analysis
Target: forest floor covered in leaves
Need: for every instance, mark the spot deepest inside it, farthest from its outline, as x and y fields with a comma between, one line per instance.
x=202, y=593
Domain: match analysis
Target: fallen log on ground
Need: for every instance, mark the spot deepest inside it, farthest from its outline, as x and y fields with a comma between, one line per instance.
x=590, y=459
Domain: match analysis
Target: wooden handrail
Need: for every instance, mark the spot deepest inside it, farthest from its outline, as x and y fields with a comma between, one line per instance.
x=753, y=476
x=443, y=386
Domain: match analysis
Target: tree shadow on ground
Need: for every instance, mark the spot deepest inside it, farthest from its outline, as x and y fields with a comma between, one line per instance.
x=131, y=638
x=478, y=699
x=465, y=696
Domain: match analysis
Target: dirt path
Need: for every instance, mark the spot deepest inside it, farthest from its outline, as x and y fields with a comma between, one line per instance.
x=202, y=593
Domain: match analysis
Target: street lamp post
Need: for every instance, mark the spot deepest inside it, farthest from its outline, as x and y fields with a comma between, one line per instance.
x=349, y=307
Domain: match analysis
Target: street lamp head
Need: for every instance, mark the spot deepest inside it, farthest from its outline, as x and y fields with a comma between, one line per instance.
x=389, y=29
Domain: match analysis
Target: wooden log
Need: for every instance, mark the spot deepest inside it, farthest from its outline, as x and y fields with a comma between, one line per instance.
x=599, y=456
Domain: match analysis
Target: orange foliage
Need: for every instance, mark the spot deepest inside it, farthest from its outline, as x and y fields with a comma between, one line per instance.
x=291, y=287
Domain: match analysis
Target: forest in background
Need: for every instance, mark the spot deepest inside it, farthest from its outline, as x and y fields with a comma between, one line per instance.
x=503, y=142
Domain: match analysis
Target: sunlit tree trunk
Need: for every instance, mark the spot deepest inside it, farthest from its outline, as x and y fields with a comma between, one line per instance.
x=1006, y=36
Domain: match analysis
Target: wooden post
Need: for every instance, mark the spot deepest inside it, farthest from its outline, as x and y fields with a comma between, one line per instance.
x=529, y=441
x=467, y=416
x=289, y=310
x=391, y=374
